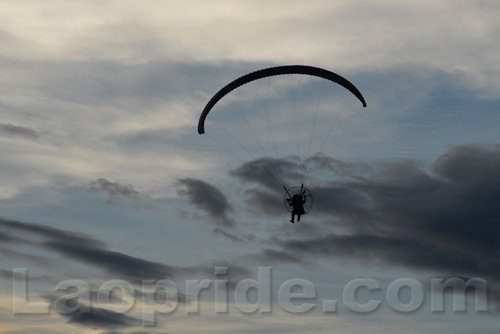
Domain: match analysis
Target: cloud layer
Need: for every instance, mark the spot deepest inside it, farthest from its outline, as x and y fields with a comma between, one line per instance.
x=441, y=220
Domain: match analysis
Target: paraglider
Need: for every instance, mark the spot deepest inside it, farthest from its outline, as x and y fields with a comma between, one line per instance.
x=295, y=202
x=272, y=71
x=298, y=199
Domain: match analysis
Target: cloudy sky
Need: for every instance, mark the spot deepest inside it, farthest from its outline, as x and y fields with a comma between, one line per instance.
x=116, y=217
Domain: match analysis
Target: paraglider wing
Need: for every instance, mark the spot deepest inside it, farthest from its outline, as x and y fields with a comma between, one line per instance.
x=272, y=71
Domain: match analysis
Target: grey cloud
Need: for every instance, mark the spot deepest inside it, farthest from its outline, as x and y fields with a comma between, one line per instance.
x=6, y=237
x=115, y=191
x=31, y=233
x=234, y=235
x=330, y=198
x=208, y=198
x=135, y=333
x=12, y=254
x=268, y=175
x=266, y=202
x=342, y=169
x=443, y=219
x=84, y=249
x=470, y=163
x=98, y=318
x=396, y=250
x=6, y=274
x=105, y=82
x=20, y=131
x=114, y=262
x=268, y=256
x=269, y=171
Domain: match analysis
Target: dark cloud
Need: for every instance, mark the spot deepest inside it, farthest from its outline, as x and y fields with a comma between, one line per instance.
x=6, y=274
x=233, y=235
x=264, y=201
x=269, y=171
x=268, y=174
x=84, y=249
x=443, y=219
x=31, y=233
x=111, y=264
x=115, y=263
x=98, y=318
x=12, y=254
x=116, y=191
x=135, y=333
x=371, y=249
x=341, y=169
x=208, y=198
x=268, y=256
x=6, y=237
x=330, y=197
x=15, y=130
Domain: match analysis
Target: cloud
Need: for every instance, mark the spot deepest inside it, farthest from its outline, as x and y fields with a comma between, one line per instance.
x=442, y=219
x=267, y=197
x=84, y=249
x=81, y=249
x=6, y=237
x=236, y=236
x=136, y=333
x=99, y=318
x=114, y=263
x=269, y=175
x=15, y=130
x=116, y=191
x=14, y=255
x=6, y=274
x=269, y=171
x=367, y=34
x=30, y=233
x=207, y=198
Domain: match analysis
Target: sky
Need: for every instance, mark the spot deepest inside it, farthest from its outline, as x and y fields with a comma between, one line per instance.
x=117, y=217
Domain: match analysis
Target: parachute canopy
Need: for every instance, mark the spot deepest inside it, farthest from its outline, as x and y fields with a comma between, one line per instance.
x=273, y=71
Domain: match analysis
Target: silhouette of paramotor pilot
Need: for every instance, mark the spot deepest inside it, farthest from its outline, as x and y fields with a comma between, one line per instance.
x=297, y=203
